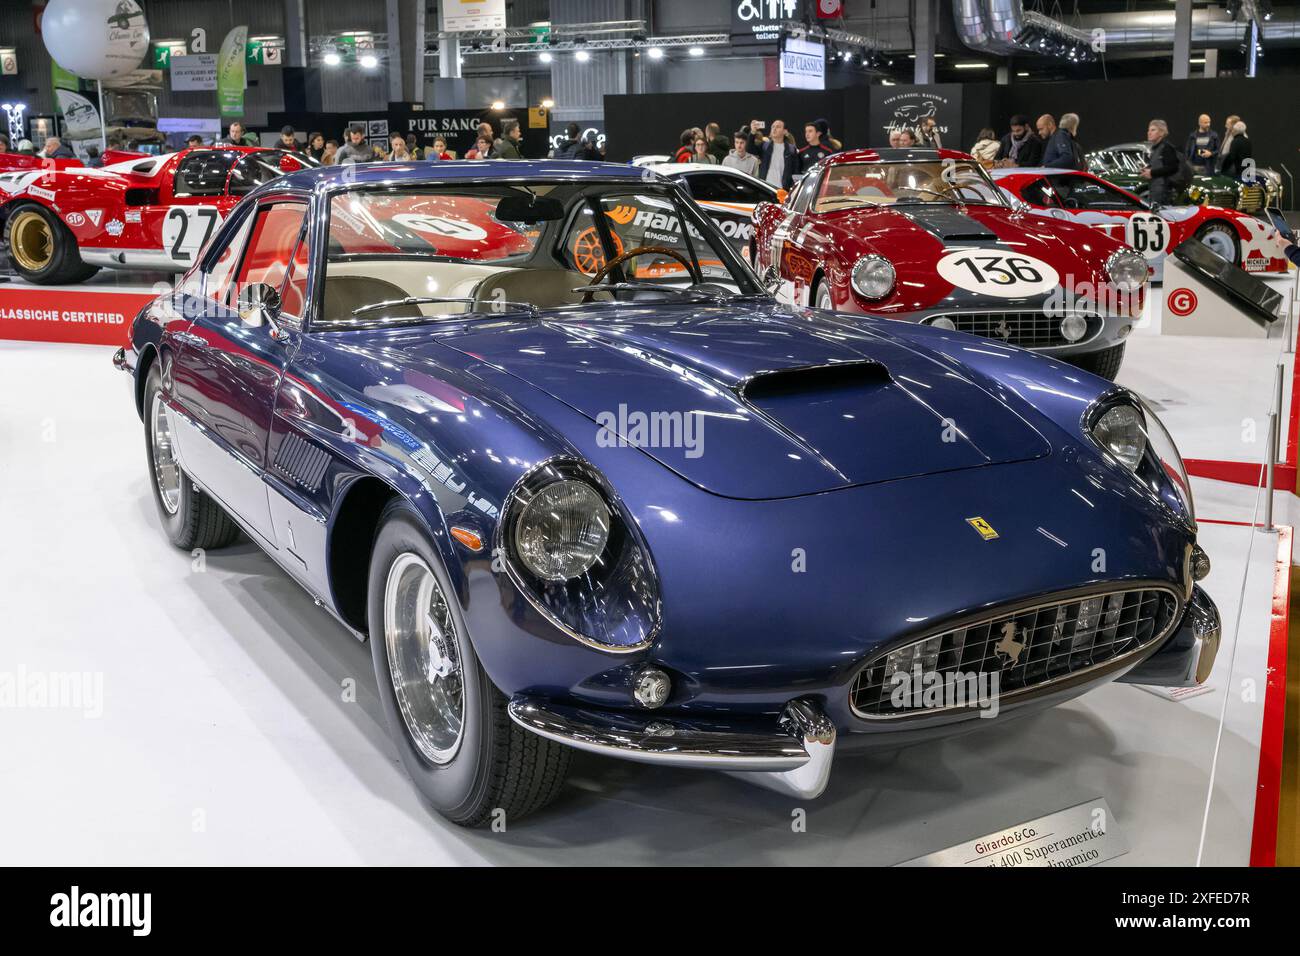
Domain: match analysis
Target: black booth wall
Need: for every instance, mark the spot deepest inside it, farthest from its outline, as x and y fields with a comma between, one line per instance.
x=1113, y=111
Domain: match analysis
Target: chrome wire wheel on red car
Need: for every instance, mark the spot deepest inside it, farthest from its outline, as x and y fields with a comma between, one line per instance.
x=423, y=658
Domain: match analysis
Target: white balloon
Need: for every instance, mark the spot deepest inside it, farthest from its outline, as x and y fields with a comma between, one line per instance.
x=95, y=39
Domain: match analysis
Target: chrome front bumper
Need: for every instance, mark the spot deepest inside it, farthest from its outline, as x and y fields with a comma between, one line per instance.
x=793, y=758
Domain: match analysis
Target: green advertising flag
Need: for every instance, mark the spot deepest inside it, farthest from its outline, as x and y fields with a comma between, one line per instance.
x=232, y=72
x=62, y=79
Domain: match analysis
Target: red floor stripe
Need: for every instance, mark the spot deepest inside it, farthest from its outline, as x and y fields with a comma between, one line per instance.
x=1268, y=795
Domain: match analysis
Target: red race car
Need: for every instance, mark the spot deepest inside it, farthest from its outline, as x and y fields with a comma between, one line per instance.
x=1242, y=239
x=64, y=221
x=924, y=235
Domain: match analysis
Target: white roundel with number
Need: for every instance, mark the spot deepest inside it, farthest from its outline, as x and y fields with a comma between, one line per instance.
x=442, y=226
x=1148, y=234
x=186, y=230
x=998, y=272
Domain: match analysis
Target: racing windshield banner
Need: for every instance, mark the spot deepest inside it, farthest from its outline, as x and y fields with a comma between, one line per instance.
x=231, y=72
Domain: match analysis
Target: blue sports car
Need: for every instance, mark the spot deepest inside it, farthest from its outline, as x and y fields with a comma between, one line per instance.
x=540, y=436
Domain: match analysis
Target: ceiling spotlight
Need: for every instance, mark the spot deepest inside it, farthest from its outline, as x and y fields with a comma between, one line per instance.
x=582, y=56
x=548, y=104
x=546, y=57
x=498, y=105
x=696, y=51
x=655, y=53
x=332, y=59
x=369, y=61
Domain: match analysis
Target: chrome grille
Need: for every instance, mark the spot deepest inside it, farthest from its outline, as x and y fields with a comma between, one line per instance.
x=1028, y=329
x=1028, y=648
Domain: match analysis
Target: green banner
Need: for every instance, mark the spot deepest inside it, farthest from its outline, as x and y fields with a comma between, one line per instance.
x=62, y=79
x=232, y=72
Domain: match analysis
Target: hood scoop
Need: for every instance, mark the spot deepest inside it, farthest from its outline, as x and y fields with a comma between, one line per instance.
x=812, y=381
x=948, y=224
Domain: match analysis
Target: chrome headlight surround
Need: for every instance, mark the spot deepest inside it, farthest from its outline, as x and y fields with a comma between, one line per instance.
x=1130, y=433
x=606, y=597
x=873, y=277
x=1127, y=270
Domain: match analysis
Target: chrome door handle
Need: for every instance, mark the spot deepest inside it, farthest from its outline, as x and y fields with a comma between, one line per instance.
x=190, y=339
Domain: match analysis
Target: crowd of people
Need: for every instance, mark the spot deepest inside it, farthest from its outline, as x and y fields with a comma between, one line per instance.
x=770, y=153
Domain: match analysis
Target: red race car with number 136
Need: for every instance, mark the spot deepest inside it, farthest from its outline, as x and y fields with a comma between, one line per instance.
x=65, y=221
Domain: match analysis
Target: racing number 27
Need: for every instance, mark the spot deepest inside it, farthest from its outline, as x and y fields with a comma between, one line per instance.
x=1000, y=270
x=179, y=220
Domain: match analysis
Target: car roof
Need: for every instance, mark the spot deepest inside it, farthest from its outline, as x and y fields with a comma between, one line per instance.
x=421, y=171
x=673, y=169
x=894, y=154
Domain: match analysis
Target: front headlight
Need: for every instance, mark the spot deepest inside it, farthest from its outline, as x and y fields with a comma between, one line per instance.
x=1122, y=433
x=873, y=277
x=562, y=530
x=1127, y=269
x=1132, y=433
x=571, y=551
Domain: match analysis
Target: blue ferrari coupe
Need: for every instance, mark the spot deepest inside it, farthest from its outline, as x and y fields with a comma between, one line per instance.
x=536, y=433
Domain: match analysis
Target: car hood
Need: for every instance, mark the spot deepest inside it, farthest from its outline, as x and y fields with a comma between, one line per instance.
x=758, y=401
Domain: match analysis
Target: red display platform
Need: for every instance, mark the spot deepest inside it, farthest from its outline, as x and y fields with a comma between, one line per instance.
x=90, y=315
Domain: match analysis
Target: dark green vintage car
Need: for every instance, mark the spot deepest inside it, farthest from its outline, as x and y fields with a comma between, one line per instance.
x=1122, y=165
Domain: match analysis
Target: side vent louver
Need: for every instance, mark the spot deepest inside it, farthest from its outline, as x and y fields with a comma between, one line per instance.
x=302, y=461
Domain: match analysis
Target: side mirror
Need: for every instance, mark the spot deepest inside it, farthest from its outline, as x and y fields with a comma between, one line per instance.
x=259, y=304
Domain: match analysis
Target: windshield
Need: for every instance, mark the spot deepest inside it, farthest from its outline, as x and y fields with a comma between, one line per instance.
x=893, y=184
x=413, y=254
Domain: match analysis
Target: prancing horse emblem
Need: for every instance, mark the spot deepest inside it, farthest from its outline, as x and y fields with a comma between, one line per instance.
x=1009, y=649
x=1003, y=331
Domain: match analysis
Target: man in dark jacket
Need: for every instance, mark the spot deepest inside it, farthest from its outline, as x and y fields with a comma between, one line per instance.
x=719, y=145
x=777, y=164
x=816, y=149
x=1164, y=166
x=1058, y=144
x=1021, y=146
x=572, y=143
x=1238, y=162
x=507, y=147
x=1202, y=150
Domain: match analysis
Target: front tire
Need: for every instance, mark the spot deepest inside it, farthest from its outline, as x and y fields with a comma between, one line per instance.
x=42, y=249
x=1222, y=239
x=1105, y=363
x=468, y=759
x=822, y=295
x=190, y=518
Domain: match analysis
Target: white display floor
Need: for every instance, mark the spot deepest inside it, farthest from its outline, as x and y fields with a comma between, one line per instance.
x=225, y=737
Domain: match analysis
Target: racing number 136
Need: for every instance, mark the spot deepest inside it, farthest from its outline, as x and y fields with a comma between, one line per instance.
x=186, y=231
x=1001, y=270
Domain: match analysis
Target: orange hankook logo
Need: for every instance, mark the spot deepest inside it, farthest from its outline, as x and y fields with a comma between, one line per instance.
x=983, y=527
x=622, y=214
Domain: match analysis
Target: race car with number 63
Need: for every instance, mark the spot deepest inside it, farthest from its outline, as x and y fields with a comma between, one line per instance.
x=924, y=235
x=1242, y=239
x=63, y=223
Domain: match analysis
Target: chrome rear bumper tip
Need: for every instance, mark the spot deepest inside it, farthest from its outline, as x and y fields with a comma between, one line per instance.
x=794, y=757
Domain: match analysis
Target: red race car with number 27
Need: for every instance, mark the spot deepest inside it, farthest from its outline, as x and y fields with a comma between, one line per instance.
x=64, y=222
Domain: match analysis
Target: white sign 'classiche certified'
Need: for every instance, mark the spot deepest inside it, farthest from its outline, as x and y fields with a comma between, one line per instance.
x=1082, y=835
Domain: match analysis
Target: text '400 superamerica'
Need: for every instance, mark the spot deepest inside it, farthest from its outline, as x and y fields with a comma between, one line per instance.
x=923, y=235
x=647, y=511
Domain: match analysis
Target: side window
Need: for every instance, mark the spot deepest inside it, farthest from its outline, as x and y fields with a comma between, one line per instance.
x=252, y=170
x=202, y=173
x=807, y=189
x=217, y=281
x=1039, y=193
x=276, y=229
x=717, y=187
x=293, y=299
x=1080, y=192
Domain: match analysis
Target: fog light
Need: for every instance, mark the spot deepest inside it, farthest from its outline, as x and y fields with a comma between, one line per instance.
x=1074, y=327
x=651, y=687
x=1200, y=563
x=1124, y=331
x=948, y=325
